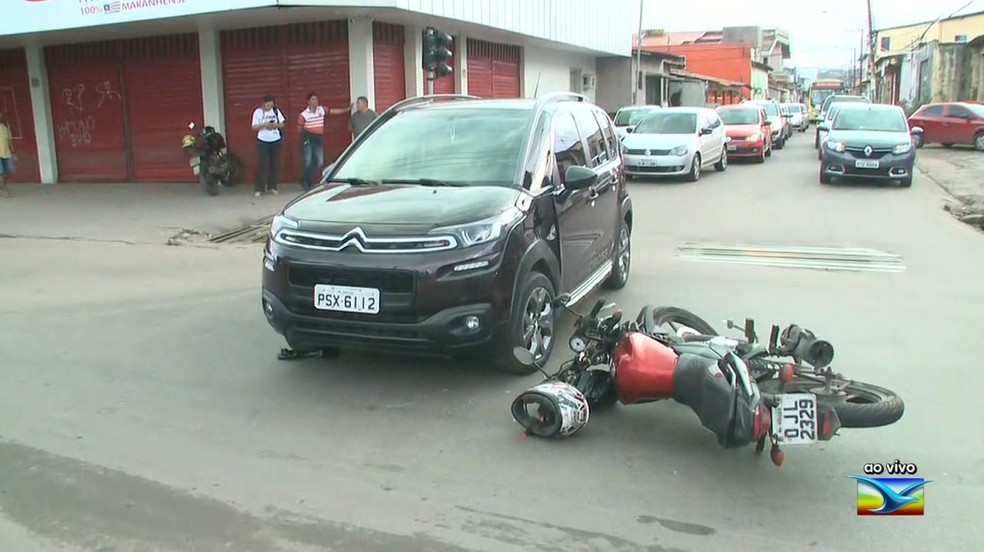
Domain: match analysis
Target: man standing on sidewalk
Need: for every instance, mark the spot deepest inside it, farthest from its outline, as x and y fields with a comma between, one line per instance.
x=311, y=124
x=7, y=154
x=362, y=117
x=267, y=122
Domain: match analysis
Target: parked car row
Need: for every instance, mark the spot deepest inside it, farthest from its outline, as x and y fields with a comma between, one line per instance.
x=684, y=141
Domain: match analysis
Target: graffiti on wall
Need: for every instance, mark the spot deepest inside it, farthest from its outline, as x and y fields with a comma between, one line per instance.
x=79, y=125
x=78, y=131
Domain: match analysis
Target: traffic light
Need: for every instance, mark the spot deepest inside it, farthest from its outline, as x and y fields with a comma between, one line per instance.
x=437, y=52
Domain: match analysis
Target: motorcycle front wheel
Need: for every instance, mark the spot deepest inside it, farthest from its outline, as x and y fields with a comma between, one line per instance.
x=858, y=404
x=209, y=182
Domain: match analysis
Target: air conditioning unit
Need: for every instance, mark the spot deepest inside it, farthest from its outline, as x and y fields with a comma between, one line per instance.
x=588, y=81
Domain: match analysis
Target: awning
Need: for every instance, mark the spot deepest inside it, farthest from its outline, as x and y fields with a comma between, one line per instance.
x=713, y=81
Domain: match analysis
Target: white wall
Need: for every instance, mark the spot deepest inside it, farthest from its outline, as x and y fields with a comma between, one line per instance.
x=553, y=69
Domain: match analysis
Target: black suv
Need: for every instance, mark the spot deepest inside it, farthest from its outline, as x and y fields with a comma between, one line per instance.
x=449, y=226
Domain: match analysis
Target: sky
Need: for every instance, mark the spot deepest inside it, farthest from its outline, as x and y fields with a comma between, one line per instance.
x=823, y=33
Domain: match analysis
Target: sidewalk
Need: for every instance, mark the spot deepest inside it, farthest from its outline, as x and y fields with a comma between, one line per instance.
x=959, y=171
x=131, y=213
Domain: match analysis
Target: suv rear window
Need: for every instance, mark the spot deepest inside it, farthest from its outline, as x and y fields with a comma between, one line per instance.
x=478, y=146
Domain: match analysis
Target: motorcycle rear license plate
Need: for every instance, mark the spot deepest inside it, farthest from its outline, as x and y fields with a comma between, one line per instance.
x=794, y=420
x=346, y=299
x=865, y=164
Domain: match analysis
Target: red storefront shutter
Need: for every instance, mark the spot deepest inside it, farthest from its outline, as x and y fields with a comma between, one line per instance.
x=252, y=67
x=480, y=69
x=445, y=85
x=289, y=62
x=506, y=71
x=87, y=109
x=389, y=66
x=15, y=101
x=162, y=79
x=317, y=61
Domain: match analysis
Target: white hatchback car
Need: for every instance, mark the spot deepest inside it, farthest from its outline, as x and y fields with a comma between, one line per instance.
x=676, y=141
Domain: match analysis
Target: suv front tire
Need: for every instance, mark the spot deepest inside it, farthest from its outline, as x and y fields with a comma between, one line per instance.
x=533, y=320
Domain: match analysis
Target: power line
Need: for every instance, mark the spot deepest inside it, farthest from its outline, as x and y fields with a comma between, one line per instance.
x=942, y=16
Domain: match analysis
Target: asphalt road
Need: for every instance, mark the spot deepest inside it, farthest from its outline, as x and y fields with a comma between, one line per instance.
x=142, y=407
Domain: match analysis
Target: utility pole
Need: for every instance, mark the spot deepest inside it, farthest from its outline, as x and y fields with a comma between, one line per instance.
x=871, y=53
x=638, y=71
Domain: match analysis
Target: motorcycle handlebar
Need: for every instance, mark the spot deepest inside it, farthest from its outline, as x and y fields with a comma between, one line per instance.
x=597, y=308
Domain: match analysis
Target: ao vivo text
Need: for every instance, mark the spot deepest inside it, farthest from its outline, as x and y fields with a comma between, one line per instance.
x=890, y=468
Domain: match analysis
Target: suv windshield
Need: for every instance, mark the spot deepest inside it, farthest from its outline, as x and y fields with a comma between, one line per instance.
x=462, y=145
x=668, y=123
x=739, y=116
x=630, y=117
x=878, y=120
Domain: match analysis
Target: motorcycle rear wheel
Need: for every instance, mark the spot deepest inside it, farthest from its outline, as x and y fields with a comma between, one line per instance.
x=236, y=171
x=210, y=183
x=860, y=405
x=675, y=317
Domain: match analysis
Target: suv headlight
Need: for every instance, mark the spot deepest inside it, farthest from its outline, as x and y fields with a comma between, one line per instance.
x=902, y=148
x=679, y=150
x=482, y=231
x=281, y=222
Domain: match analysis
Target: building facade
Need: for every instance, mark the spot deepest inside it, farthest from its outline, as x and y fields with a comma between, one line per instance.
x=930, y=61
x=103, y=91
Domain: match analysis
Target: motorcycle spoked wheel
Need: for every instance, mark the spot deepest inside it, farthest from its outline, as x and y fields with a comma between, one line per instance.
x=858, y=404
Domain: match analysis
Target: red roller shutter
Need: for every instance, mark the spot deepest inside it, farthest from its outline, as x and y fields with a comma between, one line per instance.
x=163, y=83
x=87, y=110
x=389, y=64
x=15, y=101
x=445, y=85
x=287, y=61
x=494, y=70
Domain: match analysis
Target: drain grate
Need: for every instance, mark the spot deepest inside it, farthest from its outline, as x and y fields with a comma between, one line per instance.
x=817, y=258
x=253, y=233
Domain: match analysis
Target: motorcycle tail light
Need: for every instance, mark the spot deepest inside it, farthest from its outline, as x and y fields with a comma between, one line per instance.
x=827, y=422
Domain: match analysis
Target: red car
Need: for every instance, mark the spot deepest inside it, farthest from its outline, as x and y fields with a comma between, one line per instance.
x=748, y=131
x=950, y=123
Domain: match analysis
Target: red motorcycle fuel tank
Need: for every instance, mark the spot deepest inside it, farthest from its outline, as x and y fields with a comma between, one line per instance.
x=644, y=369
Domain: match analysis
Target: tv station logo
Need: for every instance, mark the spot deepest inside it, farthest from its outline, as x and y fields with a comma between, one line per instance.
x=898, y=494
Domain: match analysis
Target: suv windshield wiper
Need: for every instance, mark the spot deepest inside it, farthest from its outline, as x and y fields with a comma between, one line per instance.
x=423, y=182
x=353, y=181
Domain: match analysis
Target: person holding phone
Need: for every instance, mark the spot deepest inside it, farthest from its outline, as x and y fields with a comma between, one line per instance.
x=268, y=123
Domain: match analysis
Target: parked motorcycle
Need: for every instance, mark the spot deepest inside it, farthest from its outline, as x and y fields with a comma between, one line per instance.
x=210, y=159
x=787, y=386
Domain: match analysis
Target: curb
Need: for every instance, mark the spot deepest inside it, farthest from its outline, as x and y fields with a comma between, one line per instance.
x=959, y=206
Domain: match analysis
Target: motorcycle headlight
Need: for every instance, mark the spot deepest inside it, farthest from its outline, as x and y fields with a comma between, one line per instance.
x=902, y=148
x=483, y=231
x=679, y=150
x=280, y=222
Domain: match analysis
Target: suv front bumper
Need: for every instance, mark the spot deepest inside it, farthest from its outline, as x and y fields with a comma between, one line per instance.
x=426, y=309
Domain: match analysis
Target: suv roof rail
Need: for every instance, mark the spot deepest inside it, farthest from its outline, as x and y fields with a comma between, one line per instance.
x=430, y=99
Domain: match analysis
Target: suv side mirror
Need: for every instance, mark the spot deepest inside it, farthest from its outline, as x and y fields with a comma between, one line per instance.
x=577, y=177
x=628, y=130
x=916, y=130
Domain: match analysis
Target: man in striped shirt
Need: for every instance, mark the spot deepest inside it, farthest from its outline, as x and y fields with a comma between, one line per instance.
x=311, y=124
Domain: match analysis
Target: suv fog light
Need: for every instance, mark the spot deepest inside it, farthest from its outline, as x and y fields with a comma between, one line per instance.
x=267, y=308
x=472, y=323
x=471, y=266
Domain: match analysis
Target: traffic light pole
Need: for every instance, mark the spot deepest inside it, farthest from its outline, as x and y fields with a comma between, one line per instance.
x=430, y=82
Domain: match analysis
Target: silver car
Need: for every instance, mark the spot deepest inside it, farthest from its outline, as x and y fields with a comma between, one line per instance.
x=629, y=117
x=676, y=141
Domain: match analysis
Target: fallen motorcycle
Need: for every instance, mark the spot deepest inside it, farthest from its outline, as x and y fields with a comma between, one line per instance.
x=210, y=159
x=787, y=385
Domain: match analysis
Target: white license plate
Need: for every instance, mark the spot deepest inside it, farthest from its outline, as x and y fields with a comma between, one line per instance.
x=865, y=164
x=794, y=420
x=647, y=163
x=346, y=299
x=732, y=147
